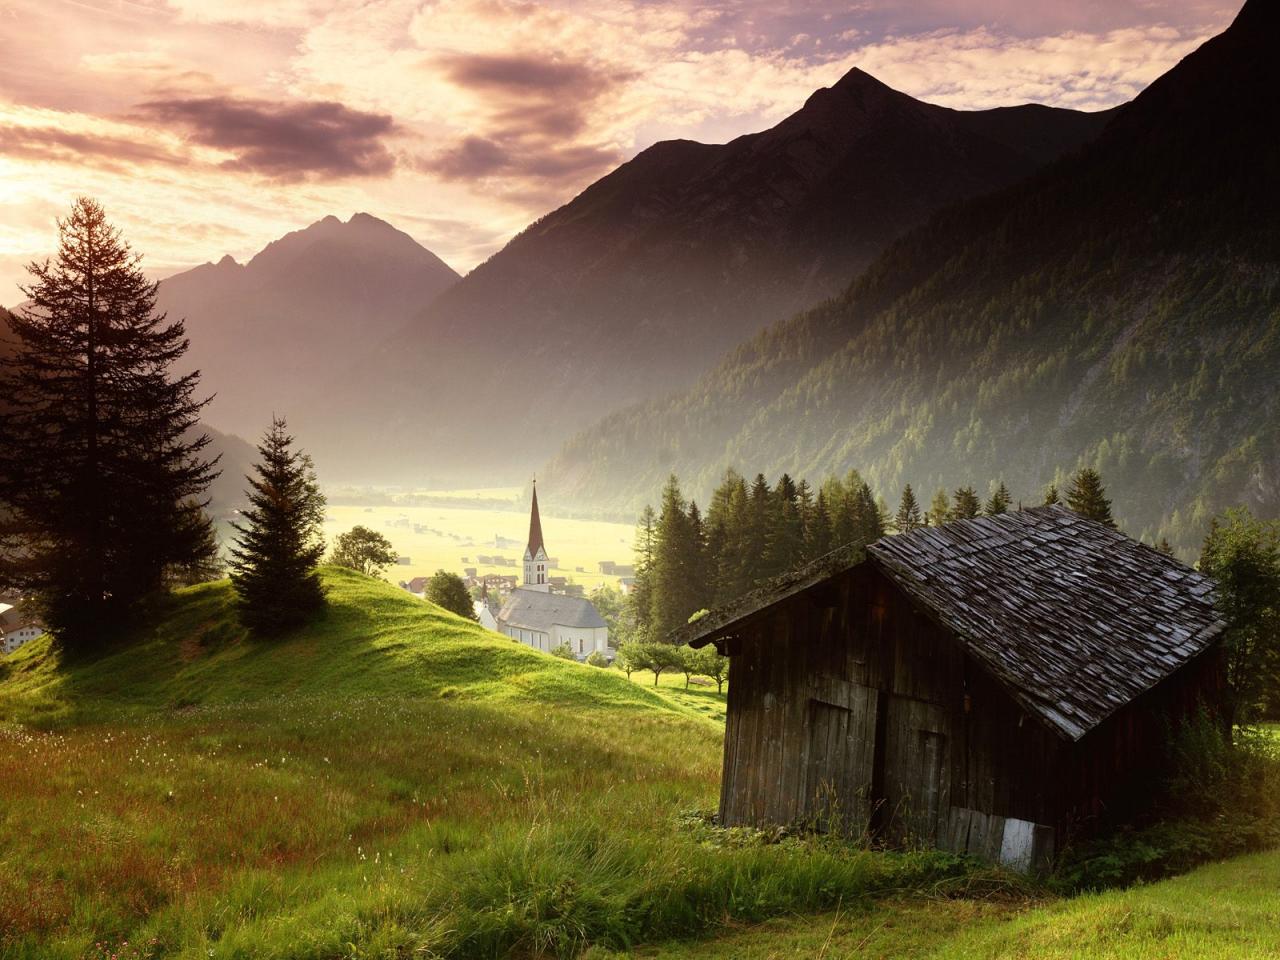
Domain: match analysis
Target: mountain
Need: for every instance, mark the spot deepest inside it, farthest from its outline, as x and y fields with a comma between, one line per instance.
x=271, y=334
x=1120, y=309
x=632, y=288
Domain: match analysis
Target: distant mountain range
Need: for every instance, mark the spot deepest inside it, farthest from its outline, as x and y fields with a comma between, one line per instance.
x=636, y=285
x=272, y=334
x=1119, y=309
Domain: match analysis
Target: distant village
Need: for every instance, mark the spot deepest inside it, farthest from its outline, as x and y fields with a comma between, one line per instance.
x=542, y=610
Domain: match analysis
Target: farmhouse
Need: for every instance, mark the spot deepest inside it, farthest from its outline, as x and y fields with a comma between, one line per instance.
x=993, y=686
x=535, y=616
x=16, y=628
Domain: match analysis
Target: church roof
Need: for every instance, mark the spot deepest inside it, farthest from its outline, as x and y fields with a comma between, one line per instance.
x=535, y=610
x=535, y=527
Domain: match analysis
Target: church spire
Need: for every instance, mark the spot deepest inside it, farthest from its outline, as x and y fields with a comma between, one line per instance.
x=535, y=554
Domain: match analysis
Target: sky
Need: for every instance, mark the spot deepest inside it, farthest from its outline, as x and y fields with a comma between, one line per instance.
x=211, y=127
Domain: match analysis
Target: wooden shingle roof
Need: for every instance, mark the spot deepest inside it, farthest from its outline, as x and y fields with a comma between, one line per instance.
x=1073, y=618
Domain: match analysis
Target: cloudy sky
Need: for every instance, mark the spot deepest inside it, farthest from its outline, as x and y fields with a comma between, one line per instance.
x=213, y=126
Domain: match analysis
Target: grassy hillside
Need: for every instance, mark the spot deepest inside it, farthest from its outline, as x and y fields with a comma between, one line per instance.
x=1225, y=911
x=395, y=781
x=391, y=780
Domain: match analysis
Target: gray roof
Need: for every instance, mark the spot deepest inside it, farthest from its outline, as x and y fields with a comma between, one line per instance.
x=1074, y=618
x=534, y=610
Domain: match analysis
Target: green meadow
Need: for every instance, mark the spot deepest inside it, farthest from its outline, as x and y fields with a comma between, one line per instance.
x=394, y=781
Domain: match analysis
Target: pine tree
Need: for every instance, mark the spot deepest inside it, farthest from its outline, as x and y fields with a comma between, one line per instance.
x=817, y=531
x=753, y=539
x=273, y=563
x=869, y=523
x=1087, y=496
x=700, y=592
x=999, y=502
x=641, y=598
x=1051, y=495
x=100, y=478
x=908, y=517
x=965, y=504
x=940, y=508
x=674, y=599
x=1165, y=547
x=786, y=533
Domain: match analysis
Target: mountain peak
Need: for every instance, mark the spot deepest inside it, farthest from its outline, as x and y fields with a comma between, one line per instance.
x=228, y=261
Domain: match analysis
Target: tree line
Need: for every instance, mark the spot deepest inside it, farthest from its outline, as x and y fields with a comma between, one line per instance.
x=687, y=561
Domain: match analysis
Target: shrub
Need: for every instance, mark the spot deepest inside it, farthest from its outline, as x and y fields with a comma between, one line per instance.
x=597, y=659
x=563, y=651
x=1222, y=800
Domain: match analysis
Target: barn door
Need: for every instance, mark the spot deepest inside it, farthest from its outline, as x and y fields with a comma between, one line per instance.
x=840, y=760
x=916, y=770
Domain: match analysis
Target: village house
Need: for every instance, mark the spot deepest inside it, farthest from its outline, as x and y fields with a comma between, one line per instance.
x=16, y=628
x=538, y=618
x=994, y=686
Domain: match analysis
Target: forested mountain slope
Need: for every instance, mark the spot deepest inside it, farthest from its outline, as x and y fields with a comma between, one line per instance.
x=635, y=286
x=1121, y=309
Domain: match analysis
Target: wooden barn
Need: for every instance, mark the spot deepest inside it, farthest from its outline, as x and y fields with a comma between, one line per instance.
x=991, y=686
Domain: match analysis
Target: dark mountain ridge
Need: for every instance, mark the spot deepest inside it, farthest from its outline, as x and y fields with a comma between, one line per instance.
x=1120, y=309
x=633, y=287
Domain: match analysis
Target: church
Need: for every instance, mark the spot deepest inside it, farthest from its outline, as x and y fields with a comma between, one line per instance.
x=538, y=618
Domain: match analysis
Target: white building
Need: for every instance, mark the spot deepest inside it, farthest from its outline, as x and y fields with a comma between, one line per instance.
x=16, y=629
x=538, y=618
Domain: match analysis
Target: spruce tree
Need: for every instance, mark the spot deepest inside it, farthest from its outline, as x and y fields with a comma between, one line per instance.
x=817, y=531
x=939, y=509
x=965, y=504
x=700, y=592
x=908, y=517
x=1051, y=495
x=273, y=563
x=786, y=533
x=999, y=502
x=101, y=469
x=1087, y=496
x=868, y=519
x=676, y=557
x=641, y=598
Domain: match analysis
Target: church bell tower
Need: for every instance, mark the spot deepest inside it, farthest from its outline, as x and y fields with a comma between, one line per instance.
x=535, y=554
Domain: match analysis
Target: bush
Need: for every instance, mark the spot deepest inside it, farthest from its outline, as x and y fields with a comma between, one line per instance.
x=597, y=659
x=1222, y=800
x=563, y=651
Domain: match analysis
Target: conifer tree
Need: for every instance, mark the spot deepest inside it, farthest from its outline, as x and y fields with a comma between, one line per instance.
x=1051, y=495
x=674, y=598
x=1165, y=547
x=868, y=518
x=273, y=563
x=786, y=534
x=965, y=504
x=817, y=531
x=999, y=502
x=641, y=598
x=1087, y=496
x=908, y=517
x=700, y=593
x=940, y=508
x=101, y=470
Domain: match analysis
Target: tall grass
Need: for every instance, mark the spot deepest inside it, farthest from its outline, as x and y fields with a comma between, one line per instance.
x=392, y=782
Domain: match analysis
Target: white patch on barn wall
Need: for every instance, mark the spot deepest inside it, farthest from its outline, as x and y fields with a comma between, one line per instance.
x=1018, y=844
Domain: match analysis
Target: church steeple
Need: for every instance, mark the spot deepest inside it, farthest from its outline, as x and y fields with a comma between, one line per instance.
x=535, y=554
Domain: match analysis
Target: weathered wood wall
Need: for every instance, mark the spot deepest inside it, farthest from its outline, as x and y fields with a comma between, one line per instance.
x=850, y=709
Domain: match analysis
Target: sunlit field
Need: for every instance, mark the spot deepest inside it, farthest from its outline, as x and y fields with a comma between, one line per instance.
x=439, y=537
